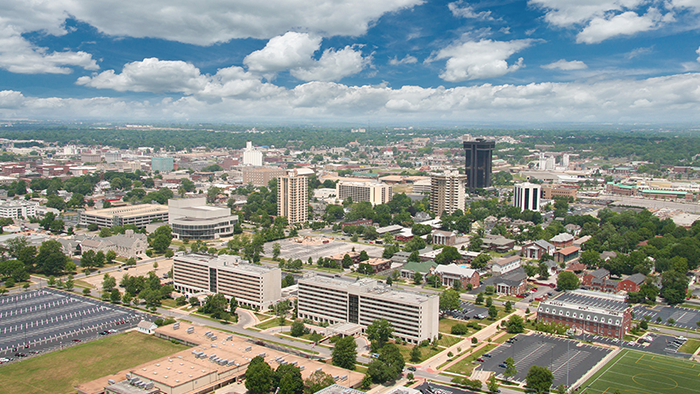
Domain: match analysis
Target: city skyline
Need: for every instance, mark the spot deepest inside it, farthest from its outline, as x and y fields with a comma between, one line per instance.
x=398, y=61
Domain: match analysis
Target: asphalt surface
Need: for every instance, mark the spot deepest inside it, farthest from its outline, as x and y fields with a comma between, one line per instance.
x=40, y=320
x=661, y=344
x=567, y=363
x=683, y=317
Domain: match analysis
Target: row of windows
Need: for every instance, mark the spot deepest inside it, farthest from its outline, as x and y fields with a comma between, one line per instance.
x=580, y=316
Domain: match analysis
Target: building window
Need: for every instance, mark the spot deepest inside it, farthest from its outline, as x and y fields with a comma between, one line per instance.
x=595, y=318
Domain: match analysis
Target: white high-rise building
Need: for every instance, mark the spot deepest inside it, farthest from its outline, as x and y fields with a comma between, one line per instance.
x=565, y=160
x=293, y=197
x=527, y=196
x=542, y=163
x=251, y=156
x=551, y=163
x=447, y=192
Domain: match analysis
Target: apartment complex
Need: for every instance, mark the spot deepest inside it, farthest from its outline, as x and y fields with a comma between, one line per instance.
x=261, y=176
x=591, y=311
x=558, y=191
x=253, y=285
x=526, y=196
x=447, y=192
x=17, y=209
x=192, y=218
x=138, y=215
x=293, y=197
x=414, y=316
x=374, y=192
x=478, y=162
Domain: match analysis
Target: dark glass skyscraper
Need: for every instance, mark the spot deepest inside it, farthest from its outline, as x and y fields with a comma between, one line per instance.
x=478, y=163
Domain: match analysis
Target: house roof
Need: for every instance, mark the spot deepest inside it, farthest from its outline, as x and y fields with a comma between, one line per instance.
x=600, y=273
x=421, y=267
x=543, y=244
x=563, y=237
x=636, y=278
x=506, y=260
x=455, y=270
x=513, y=278
x=569, y=250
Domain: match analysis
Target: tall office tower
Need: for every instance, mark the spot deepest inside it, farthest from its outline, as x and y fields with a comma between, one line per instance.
x=251, y=156
x=527, y=196
x=565, y=160
x=478, y=162
x=447, y=192
x=293, y=197
x=542, y=163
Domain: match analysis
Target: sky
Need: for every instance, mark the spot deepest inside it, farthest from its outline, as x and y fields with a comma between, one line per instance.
x=361, y=62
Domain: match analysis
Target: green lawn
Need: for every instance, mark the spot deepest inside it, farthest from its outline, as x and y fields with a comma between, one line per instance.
x=60, y=371
x=448, y=340
x=273, y=323
x=426, y=352
x=690, y=346
x=467, y=364
x=645, y=373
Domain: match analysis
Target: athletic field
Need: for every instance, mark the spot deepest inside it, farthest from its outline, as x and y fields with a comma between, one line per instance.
x=633, y=372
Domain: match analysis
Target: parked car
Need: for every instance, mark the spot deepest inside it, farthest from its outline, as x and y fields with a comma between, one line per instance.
x=502, y=365
x=480, y=359
x=412, y=369
x=487, y=355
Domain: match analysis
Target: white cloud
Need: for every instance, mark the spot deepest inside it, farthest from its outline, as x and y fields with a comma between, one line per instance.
x=627, y=23
x=294, y=52
x=667, y=99
x=566, y=13
x=281, y=53
x=698, y=52
x=637, y=52
x=477, y=60
x=333, y=65
x=566, y=65
x=408, y=59
x=18, y=55
x=692, y=4
x=460, y=10
x=205, y=24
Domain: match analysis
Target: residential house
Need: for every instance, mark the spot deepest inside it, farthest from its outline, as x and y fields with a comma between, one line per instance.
x=562, y=240
x=631, y=283
x=535, y=250
x=451, y=273
x=497, y=243
x=504, y=265
x=440, y=237
x=378, y=264
x=424, y=268
x=512, y=283
x=599, y=280
x=567, y=254
x=146, y=327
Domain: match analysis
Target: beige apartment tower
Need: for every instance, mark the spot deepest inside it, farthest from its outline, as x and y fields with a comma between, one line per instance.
x=447, y=192
x=293, y=197
x=374, y=192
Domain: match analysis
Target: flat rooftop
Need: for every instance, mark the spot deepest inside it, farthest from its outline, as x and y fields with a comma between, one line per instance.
x=227, y=262
x=129, y=211
x=371, y=287
x=592, y=301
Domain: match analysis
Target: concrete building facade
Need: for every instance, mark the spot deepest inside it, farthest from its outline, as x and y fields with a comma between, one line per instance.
x=447, y=192
x=256, y=286
x=293, y=197
x=138, y=215
x=17, y=209
x=414, y=316
x=375, y=193
x=251, y=156
x=192, y=218
x=526, y=196
x=261, y=176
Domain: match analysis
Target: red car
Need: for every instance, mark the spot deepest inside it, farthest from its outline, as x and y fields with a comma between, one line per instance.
x=480, y=359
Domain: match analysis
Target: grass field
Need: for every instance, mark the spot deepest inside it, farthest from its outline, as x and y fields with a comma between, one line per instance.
x=691, y=346
x=60, y=371
x=644, y=373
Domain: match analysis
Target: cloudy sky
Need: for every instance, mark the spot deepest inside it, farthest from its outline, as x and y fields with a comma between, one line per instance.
x=364, y=61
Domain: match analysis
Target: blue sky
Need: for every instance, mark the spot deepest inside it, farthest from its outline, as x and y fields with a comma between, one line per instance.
x=389, y=61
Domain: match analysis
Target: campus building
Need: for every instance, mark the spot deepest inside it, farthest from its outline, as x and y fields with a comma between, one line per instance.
x=256, y=286
x=447, y=192
x=162, y=164
x=261, y=176
x=453, y=273
x=138, y=215
x=192, y=218
x=414, y=316
x=590, y=311
x=550, y=192
x=17, y=209
x=374, y=192
x=293, y=197
x=527, y=196
x=478, y=163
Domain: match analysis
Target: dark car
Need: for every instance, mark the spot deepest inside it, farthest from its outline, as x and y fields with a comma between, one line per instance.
x=412, y=369
x=20, y=355
x=77, y=340
x=502, y=365
x=487, y=355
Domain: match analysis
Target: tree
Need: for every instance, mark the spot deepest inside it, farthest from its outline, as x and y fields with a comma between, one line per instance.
x=68, y=284
x=510, y=371
x=561, y=389
x=290, y=381
x=233, y=305
x=567, y=281
x=297, y=328
x=492, y=384
x=515, y=325
x=479, y=299
x=87, y=260
x=258, y=376
x=287, y=281
x=108, y=283
x=379, y=332
x=493, y=312
x=347, y=261
x=674, y=286
x=539, y=379
x=110, y=256
x=417, y=278
x=276, y=250
x=448, y=255
x=317, y=381
x=363, y=255
x=115, y=296
x=480, y=261
x=508, y=307
x=391, y=356
x=449, y=299
x=416, y=354
x=489, y=302
x=51, y=260
x=544, y=270
x=345, y=353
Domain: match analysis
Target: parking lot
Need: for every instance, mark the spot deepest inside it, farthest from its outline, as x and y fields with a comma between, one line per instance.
x=683, y=317
x=291, y=249
x=660, y=344
x=38, y=320
x=562, y=356
x=470, y=311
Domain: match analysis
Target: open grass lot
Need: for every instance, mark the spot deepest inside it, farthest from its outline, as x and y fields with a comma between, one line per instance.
x=644, y=373
x=273, y=323
x=425, y=351
x=690, y=346
x=467, y=365
x=449, y=340
x=445, y=325
x=60, y=371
